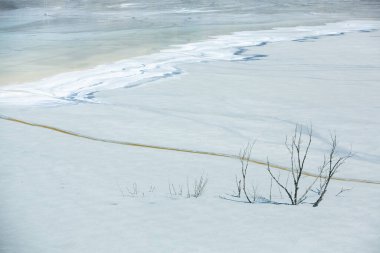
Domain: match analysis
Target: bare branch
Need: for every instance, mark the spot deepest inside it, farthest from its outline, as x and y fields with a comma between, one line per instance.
x=333, y=165
x=279, y=184
x=245, y=156
x=343, y=190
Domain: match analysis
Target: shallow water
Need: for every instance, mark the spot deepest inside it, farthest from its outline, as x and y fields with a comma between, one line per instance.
x=43, y=38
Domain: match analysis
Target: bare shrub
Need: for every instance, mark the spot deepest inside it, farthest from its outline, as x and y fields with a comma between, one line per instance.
x=330, y=167
x=299, y=151
x=134, y=191
x=152, y=188
x=175, y=191
x=254, y=195
x=298, y=154
x=241, y=182
x=238, y=187
x=199, y=186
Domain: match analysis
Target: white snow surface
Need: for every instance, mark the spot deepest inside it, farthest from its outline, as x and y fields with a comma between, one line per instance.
x=61, y=193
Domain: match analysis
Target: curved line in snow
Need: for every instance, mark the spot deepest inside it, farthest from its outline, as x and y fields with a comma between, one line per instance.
x=141, y=145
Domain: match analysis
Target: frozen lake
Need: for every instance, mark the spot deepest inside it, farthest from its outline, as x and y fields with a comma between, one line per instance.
x=39, y=38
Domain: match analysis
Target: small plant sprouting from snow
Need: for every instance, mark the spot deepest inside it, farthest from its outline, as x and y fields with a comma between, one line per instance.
x=197, y=189
x=134, y=191
x=194, y=190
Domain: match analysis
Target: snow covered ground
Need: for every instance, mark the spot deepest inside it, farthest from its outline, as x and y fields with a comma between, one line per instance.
x=61, y=193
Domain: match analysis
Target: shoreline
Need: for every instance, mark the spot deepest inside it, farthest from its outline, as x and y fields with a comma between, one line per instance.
x=80, y=86
x=37, y=65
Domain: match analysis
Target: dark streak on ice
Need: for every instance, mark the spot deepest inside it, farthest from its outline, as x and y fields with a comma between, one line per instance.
x=335, y=34
x=261, y=44
x=367, y=30
x=90, y=95
x=307, y=39
x=240, y=51
x=255, y=57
